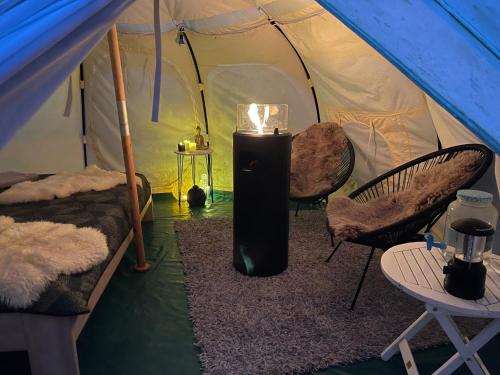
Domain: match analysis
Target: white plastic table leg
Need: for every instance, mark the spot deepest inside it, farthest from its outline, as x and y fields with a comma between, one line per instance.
x=464, y=349
x=408, y=360
x=411, y=331
x=450, y=366
x=481, y=339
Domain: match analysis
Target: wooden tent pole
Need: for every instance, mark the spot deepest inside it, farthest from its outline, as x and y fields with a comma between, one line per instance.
x=121, y=104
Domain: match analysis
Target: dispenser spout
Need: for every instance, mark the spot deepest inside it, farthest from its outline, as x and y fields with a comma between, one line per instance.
x=429, y=239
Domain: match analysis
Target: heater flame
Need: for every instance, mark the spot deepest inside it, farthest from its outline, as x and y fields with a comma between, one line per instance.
x=253, y=114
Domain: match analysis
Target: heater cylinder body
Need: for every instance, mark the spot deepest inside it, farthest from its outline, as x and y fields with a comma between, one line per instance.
x=261, y=173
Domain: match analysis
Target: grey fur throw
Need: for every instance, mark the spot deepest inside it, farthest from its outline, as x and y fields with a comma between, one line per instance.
x=350, y=219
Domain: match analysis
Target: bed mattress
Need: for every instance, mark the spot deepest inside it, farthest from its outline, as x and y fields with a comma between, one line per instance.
x=108, y=211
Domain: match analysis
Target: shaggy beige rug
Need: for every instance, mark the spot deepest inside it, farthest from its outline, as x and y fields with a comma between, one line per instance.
x=34, y=254
x=295, y=322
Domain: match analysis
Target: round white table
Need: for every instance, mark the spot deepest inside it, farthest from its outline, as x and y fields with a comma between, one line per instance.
x=207, y=153
x=419, y=273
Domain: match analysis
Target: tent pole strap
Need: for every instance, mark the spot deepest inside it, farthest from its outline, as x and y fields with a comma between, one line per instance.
x=84, y=125
x=198, y=75
x=121, y=104
x=157, y=83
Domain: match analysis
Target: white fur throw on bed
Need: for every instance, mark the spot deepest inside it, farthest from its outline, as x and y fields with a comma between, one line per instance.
x=63, y=185
x=34, y=254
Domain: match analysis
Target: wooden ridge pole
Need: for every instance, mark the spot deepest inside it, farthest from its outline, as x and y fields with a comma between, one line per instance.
x=121, y=104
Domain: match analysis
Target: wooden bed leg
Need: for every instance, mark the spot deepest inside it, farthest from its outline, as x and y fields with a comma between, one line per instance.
x=149, y=214
x=51, y=346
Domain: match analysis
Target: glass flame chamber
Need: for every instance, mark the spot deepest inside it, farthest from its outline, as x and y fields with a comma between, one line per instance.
x=262, y=118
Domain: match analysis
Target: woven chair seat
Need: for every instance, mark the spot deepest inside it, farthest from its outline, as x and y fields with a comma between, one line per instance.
x=399, y=181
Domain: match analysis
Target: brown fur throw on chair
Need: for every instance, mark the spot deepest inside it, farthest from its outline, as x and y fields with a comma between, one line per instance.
x=316, y=157
x=350, y=219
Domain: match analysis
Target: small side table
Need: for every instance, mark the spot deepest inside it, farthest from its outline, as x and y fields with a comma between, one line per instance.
x=419, y=273
x=180, y=167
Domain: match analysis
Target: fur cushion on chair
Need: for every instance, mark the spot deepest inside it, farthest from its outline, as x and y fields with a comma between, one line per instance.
x=350, y=219
x=316, y=158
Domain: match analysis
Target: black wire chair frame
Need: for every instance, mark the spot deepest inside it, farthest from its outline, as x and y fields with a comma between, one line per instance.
x=345, y=169
x=399, y=179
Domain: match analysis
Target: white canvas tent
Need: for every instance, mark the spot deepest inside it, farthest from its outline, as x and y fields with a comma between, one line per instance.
x=243, y=58
x=401, y=77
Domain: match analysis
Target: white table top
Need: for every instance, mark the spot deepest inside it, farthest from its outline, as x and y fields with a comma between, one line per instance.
x=419, y=273
x=207, y=151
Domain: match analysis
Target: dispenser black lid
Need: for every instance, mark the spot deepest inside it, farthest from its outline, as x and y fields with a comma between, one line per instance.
x=473, y=227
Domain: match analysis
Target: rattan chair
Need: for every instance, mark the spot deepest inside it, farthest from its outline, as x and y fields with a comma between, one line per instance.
x=399, y=179
x=344, y=171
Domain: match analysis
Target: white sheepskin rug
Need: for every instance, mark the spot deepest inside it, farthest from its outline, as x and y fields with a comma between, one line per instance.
x=34, y=254
x=63, y=185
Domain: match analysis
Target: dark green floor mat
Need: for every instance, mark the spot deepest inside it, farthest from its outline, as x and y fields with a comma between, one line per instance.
x=141, y=324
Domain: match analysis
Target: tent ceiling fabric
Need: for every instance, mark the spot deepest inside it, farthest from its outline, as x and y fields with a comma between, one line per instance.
x=448, y=48
x=42, y=49
x=214, y=17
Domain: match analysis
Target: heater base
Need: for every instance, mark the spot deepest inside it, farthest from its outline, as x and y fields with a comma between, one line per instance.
x=251, y=264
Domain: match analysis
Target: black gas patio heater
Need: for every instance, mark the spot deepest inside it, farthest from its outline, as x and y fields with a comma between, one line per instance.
x=261, y=173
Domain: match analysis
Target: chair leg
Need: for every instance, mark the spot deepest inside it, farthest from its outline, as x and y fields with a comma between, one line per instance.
x=362, y=279
x=297, y=209
x=434, y=221
x=334, y=250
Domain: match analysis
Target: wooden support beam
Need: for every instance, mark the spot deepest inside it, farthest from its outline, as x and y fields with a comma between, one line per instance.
x=121, y=104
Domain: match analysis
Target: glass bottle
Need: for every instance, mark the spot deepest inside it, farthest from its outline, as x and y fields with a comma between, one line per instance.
x=470, y=204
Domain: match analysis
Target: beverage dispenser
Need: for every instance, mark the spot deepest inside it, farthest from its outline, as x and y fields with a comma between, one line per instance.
x=470, y=227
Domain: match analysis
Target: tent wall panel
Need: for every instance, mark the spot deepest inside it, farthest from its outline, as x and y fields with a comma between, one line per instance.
x=266, y=70
x=357, y=85
x=437, y=48
x=354, y=83
x=230, y=76
x=180, y=107
x=42, y=44
x=373, y=157
x=49, y=141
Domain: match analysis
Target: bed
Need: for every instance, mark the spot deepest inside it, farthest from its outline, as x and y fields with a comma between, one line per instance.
x=48, y=329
